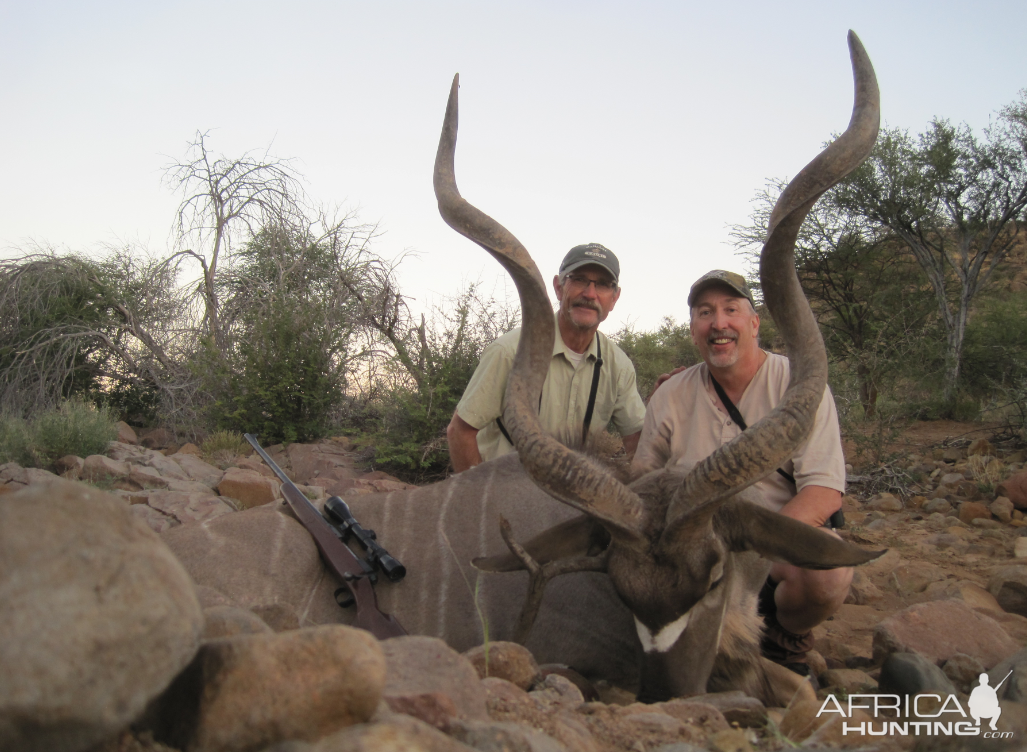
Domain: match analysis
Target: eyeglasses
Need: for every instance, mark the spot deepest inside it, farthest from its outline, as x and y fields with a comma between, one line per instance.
x=602, y=285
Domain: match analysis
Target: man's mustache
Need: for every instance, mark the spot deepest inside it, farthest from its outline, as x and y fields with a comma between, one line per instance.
x=585, y=303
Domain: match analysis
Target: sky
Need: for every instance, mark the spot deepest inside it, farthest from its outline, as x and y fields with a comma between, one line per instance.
x=645, y=126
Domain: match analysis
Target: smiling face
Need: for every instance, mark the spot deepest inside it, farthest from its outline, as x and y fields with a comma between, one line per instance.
x=587, y=295
x=725, y=328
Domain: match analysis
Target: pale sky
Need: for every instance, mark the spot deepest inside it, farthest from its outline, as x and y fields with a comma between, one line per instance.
x=647, y=126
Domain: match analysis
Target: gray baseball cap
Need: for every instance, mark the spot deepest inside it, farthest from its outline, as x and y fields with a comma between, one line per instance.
x=725, y=279
x=591, y=253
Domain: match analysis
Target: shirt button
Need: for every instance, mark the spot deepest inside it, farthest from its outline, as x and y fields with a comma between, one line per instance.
x=729, y=422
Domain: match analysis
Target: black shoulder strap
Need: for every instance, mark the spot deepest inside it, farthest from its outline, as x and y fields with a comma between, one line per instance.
x=589, y=409
x=737, y=418
x=592, y=393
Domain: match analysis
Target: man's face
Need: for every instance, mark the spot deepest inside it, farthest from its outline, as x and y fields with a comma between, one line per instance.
x=586, y=296
x=724, y=327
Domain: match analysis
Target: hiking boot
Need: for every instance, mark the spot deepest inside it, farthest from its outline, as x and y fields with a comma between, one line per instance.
x=778, y=644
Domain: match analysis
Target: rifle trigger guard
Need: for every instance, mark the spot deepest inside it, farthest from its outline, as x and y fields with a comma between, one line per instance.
x=344, y=597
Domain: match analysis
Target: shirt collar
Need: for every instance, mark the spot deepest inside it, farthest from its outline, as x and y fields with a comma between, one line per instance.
x=559, y=348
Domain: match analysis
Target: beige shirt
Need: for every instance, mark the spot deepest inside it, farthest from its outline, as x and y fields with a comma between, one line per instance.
x=683, y=426
x=564, y=394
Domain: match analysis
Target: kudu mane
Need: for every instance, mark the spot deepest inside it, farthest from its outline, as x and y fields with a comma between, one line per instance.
x=673, y=537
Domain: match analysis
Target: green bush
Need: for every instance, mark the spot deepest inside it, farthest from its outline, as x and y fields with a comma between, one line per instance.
x=74, y=427
x=224, y=446
x=657, y=352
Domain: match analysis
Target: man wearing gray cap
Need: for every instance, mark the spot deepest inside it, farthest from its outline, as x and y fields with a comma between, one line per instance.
x=591, y=381
x=699, y=409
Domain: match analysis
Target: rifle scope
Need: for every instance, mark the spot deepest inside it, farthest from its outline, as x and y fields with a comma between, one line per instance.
x=341, y=517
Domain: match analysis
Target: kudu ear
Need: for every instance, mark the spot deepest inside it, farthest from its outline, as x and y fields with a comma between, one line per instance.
x=577, y=537
x=744, y=526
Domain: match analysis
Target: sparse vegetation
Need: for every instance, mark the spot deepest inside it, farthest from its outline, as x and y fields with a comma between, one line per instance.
x=224, y=446
x=74, y=427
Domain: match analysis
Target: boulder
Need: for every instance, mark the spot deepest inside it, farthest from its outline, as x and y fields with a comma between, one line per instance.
x=505, y=660
x=972, y=510
x=1009, y=586
x=937, y=630
x=69, y=467
x=913, y=674
x=1014, y=488
x=197, y=469
x=425, y=666
x=99, y=468
x=885, y=502
x=970, y=593
x=1002, y=508
x=158, y=522
x=392, y=732
x=1015, y=686
x=250, y=488
x=251, y=691
x=963, y=671
x=188, y=507
x=97, y=617
x=126, y=434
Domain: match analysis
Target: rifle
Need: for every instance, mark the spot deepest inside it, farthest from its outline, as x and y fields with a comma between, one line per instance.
x=358, y=576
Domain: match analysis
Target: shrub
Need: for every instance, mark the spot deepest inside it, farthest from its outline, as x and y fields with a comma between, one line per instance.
x=74, y=427
x=223, y=446
x=657, y=352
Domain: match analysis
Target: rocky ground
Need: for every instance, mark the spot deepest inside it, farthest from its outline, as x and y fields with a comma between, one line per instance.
x=110, y=646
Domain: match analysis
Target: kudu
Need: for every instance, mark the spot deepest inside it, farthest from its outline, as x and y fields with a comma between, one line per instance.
x=686, y=553
x=682, y=550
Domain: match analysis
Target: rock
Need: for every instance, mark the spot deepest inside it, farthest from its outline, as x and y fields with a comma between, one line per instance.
x=156, y=438
x=433, y=708
x=939, y=505
x=234, y=554
x=912, y=674
x=862, y=590
x=938, y=630
x=425, y=665
x=971, y=510
x=730, y=740
x=250, y=691
x=188, y=448
x=952, y=454
x=849, y=679
x=97, y=617
x=832, y=734
x=505, y=660
x=1020, y=548
x=504, y=737
x=99, y=468
x=1015, y=687
x=229, y=621
x=1009, y=586
x=951, y=479
x=1014, y=488
x=970, y=593
x=393, y=733
x=560, y=691
x=963, y=671
x=188, y=507
x=736, y=707
x=166, y=466
x=885, y=502
x=197, y=469
x=158, y=522
x=1002, y=508
x=985, y=523
x=250, y=488
x=126, y=434
x=70, y=467
x=313, y=462
x=146, y=477
x=980, y=446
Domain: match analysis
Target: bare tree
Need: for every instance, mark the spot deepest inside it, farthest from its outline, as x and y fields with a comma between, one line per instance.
x=226, y=201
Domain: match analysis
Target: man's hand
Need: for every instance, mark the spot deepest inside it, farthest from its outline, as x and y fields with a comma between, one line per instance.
x=813, y=505
x=463, y=444
x=661, y=378
x=631, y=443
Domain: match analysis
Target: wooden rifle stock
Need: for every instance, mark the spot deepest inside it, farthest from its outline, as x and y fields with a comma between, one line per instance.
x=348, y=567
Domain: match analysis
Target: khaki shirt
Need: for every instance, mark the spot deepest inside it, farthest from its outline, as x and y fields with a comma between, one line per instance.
x=564, y=394
x=683, y=426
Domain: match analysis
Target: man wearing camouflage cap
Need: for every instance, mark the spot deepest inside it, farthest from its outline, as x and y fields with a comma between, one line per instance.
x=591, y=381
x=696, y=411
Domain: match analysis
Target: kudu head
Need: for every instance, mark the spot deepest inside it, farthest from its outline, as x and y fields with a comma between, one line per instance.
x=672, y=537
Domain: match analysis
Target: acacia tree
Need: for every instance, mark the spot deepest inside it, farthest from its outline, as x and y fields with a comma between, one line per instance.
x=956, y=200
x=865, y=289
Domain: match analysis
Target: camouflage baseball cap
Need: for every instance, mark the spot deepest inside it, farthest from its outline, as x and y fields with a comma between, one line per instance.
x=720, y=277
x=591, y=253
